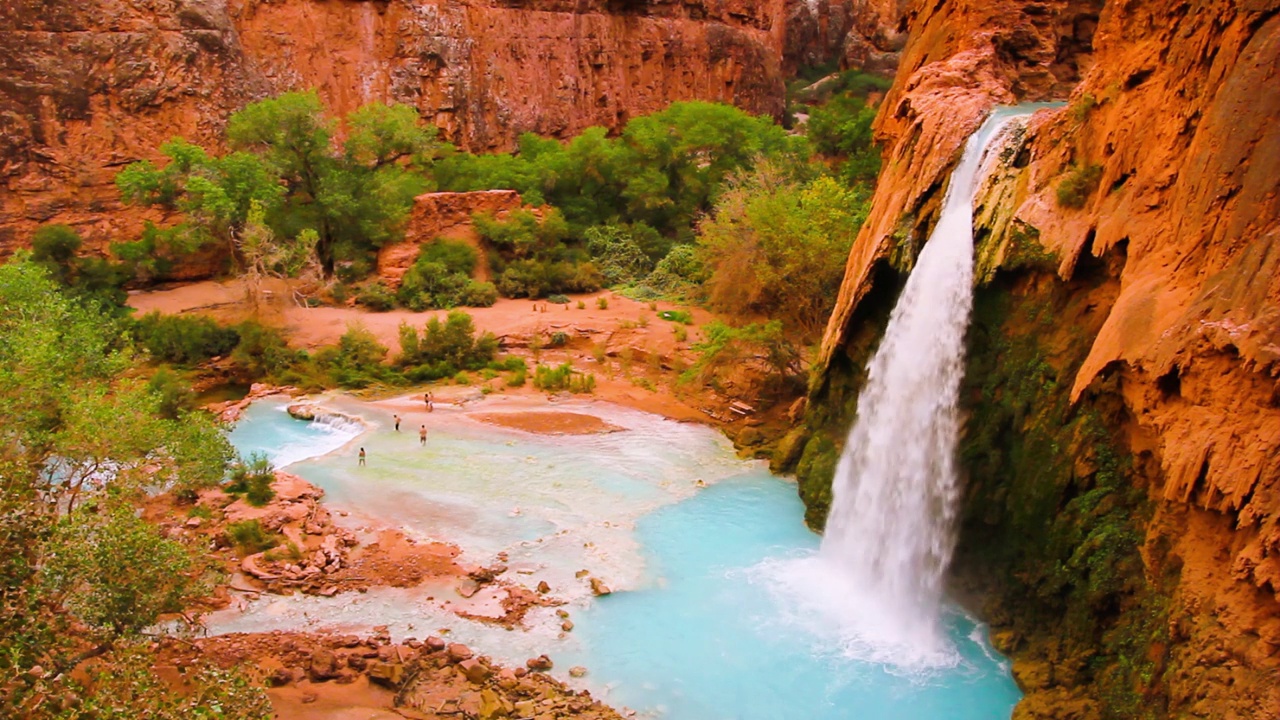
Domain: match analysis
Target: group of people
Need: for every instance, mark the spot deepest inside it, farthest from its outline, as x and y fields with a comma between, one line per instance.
x=422, y=430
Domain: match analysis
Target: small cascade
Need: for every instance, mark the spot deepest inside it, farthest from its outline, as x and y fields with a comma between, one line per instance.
x=891, y=531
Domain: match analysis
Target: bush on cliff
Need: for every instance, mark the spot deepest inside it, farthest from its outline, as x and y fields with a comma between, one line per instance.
x=1078, y=185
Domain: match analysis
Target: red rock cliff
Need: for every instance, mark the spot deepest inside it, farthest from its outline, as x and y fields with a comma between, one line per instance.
x=1173, y=111
x=86, y=88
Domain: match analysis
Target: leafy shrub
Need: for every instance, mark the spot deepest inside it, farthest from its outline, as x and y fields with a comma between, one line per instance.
x=727, y=350
x=558, y=338
x=174, y=395
x=376, y=297
x=357, y=360
x=253, y=480
x=456, y=257
x=558, y=299
x=183, y=339
x=451, y=345
x=602, y=302
x=518, y=378
x=684, y=317
x=1079, y=184
x=462, y=378
x=563, y=377
x=617, y=254
x=479, y=294
x=677, y=274
x=536, y=278
x=509, y=363
x=249, y=537
x=262, y=351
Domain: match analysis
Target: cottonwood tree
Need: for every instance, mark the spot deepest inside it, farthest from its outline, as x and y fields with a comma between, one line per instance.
x=354, y=196
x=81, y=574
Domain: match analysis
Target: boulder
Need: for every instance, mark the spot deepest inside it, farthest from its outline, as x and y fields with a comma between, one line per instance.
x=577, y=671
x=324, y=666
x=475, y=671
x=459, y=652
x=387, y=674
x=599, y=588
x=435, y=644
x=540, y=663
x=302, y=411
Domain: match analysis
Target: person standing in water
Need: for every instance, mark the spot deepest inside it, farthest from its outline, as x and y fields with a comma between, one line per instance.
x=361, y=457
x=397, y=418
x=422, y=435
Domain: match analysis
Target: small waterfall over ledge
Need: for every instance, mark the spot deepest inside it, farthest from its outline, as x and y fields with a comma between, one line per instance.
x=878, y=578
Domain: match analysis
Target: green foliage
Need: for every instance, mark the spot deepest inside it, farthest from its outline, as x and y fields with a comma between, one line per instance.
x=728, y=349
x=662, y=171
x=558, y=339
x=769, y=248
x=602, y=302
x=81, y=573
x=253, y=480
x=678, y=275
x=456, y=257
x=376, y=297
x=249, y=537
x=357, y=360
x=563, y=377
x=174, y=396
x=842, y=129
x=54, y=247
x=445, y=348
x=184, y=339
x=262, y=351
x=518, y=377
x=440, y=278
x=684, y=317
x=1078, y=185
x=617, y=254
x=558, y=299
x=354, y=199
x=115, y=570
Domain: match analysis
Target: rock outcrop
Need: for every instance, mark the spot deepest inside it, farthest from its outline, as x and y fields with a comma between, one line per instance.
x=1131, y=296
x=446, y=215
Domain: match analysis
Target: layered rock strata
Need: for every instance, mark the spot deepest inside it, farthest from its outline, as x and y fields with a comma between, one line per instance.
x=86, y=88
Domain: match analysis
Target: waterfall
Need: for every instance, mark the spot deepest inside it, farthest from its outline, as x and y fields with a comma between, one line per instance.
x=891, y=531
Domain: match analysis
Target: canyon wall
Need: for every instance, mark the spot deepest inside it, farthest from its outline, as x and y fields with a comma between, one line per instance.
x=86, y=88
x=1122, y=525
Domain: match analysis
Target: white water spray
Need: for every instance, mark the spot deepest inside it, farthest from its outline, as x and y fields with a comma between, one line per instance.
x=891, y=531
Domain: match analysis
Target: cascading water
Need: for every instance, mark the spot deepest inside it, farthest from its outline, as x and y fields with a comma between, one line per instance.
x=890, y=534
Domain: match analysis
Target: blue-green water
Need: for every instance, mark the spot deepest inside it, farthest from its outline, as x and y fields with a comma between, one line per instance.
x=710, y=619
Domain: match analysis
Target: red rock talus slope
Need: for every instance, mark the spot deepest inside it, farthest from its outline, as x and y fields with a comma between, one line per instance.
x=1173, y=110
x=88, y=87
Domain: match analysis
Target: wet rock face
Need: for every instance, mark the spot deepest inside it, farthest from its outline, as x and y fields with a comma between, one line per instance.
x=1171, y=112
x=90, y=86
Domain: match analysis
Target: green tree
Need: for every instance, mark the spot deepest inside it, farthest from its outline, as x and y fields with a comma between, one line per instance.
x=777, y=247
x=80, y=572
x=354, y=198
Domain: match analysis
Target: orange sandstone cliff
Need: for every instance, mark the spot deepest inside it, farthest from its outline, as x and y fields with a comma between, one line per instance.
x=1124, y=388
x=88, y=87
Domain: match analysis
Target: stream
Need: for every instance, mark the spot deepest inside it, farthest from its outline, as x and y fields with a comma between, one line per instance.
x=703, y=623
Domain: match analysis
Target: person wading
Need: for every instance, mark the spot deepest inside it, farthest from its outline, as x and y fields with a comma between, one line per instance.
x=361, y=457
x=397, y=418
x=422, y=435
